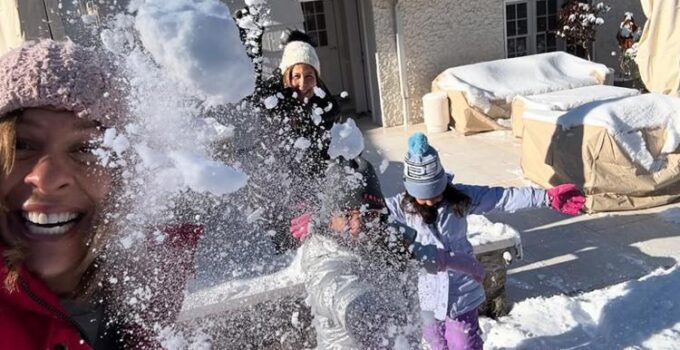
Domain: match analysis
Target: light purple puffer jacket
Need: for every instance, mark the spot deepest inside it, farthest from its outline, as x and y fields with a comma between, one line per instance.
x=455, y=293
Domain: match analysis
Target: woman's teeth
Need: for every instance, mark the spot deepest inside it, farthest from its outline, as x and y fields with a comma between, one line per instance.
x=49, y=224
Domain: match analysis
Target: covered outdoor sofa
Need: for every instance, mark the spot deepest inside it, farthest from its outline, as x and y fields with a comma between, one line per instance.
x=481, y=93
x=559, y=102
x=623, y=152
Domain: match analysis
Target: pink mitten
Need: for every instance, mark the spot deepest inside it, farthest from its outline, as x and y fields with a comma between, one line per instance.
x=566, y=198
x=460, y=262
x=299, y=226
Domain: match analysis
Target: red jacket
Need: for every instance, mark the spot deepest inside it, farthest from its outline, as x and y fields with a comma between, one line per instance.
x=32, y=316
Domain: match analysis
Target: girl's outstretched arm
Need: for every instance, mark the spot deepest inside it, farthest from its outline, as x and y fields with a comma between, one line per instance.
x=565, y=198
x=485, y=199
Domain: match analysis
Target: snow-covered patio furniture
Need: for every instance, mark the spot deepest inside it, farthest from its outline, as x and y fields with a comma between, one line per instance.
x=480, y=93
x=623, y=152
x=560, y=102
x=271, y=308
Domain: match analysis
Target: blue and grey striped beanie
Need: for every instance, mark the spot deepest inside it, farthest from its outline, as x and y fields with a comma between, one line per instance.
x=424, y=176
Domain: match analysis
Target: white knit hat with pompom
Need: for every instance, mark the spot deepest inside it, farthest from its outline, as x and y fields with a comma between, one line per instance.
x=297, y=52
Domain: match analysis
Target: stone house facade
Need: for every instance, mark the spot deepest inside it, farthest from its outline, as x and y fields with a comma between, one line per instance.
x=384, y=53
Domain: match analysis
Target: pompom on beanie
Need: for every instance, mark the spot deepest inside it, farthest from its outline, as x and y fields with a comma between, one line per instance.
x=62, y=76
x=424, y=176
x=299, y=49
x=351, y=184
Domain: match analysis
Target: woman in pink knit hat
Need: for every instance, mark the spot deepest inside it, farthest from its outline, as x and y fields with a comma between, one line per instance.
x=56, y=100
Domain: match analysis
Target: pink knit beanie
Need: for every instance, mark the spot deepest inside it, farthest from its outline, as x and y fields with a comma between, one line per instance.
x=63, y=76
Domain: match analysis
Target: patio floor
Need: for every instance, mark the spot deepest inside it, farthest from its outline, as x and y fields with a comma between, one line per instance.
x=562, y=254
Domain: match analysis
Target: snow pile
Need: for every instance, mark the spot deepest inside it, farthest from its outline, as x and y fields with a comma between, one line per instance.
x=205, y=175
x=198, y=42
x=174, y=339
x=565, y=100
x=235, y=294
x=504, y=79
x=625, y=118
x=346, y=140
x=485, y=235
x=636, y=314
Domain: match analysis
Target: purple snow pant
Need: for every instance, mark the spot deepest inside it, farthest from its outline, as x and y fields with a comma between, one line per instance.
x=460, y=333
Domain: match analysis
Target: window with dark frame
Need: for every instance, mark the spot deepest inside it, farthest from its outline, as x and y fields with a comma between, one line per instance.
x=315, y=22
x=546, y=25
x=531, y=26
x=517, y=30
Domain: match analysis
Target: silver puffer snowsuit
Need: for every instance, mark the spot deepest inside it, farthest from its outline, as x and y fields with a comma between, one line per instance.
x=357, y=301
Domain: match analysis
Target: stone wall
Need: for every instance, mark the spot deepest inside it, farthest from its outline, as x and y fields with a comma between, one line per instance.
x=437, y=35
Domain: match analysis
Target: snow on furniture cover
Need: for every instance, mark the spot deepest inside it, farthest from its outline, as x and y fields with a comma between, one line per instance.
x=480, y=93
x=559, y=102
x=623, y=152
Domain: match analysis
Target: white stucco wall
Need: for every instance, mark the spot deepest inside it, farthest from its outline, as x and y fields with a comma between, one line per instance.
x=437, y=35
x=386, y=62
x=605, y=40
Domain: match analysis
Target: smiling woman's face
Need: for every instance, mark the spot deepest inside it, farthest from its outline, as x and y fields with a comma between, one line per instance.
x=53, y=190
x=303, y=80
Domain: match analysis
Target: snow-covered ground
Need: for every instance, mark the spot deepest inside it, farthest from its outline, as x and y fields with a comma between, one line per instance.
x=564, y=256
x=641, y=314
x=638, y=314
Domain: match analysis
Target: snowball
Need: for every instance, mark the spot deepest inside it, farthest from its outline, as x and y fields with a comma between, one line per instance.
x=302, y=143
x=384, y=165
x=316, y=116
x=199, y=43
x=206, y=175
x=271, y=102
x=213, y=131
x=346, y=140
x=319, y=92
x=118, y=143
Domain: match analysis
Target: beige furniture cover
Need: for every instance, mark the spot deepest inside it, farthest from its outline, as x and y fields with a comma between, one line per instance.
x=658, y=56
x=591, y=157
x=468, y=119
x=560, y=102
x=480, y=93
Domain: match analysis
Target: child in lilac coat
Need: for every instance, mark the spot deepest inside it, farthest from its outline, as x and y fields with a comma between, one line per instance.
x=437, y=210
